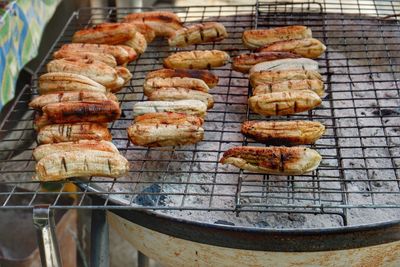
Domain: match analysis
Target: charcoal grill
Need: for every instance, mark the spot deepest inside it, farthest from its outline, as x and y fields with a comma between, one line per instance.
x=352, y=200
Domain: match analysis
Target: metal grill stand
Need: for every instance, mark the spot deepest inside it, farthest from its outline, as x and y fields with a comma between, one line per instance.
x=356, y=184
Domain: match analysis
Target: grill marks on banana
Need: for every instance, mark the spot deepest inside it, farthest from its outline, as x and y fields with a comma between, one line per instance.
x=69, y=131
x=202, y=34
x=109, y=165
x=64, y=164
x=284, y=103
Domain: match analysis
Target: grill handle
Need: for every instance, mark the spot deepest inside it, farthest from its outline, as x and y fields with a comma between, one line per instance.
x=43, y=220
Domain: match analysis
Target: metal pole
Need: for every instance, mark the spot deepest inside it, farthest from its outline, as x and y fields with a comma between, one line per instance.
x=43, y=219
x=99, y=249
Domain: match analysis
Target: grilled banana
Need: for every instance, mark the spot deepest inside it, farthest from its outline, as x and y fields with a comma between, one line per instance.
x=153, y=84
x=117, y=85
x=244, y=62
x=190, y=107
x=314, y=85
x=48, y=149
x=208, y=77
x=95, y=70
x=309, y=47
x=173, y=94
x=278, y=160
x=261, y=37
x=283, y=132
x=57, y=133
x=198, y=33
x=286, y=64
x=145, y=30
x=284, y=103
x=198, y=59
x=63, y=165
x=103, y=57
x=105, y=33
x=138, y=43
x=83, y=111
x=132, y=55
x=40, y=121
x=124, y=73
x=264, y=77
x=121, y=54
x=166, y=129
x=43, y=100
x=61, y=81
x=162, y=22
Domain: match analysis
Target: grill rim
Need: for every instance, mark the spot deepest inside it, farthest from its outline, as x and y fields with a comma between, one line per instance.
x=267, y=239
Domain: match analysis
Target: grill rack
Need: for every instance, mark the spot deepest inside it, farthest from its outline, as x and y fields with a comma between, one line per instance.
x=351, y=67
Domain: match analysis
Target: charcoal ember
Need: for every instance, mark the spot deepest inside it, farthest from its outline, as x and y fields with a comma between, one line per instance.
x=154, y=198
x=385, y=112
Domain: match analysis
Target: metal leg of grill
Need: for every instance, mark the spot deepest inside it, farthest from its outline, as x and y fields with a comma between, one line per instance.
x=143, y=260
x=43, y=219
x=99, y=249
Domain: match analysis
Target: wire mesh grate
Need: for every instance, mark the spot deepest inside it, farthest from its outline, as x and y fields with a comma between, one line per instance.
x=360, y=111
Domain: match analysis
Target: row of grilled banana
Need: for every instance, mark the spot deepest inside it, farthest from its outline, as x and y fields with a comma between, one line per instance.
x=76, y=102
x=137, y=30
x=285, y=80
x=174, y=114
x=178, y=96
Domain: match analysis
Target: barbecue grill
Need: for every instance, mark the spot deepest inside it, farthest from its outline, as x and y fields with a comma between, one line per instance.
x=351, y=201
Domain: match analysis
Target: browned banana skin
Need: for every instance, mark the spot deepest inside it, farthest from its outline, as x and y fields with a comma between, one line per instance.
x=196, y=59
x=278, y=160
x=309, y=47
x=103, y=57
x=166, y=129
x=85, y=163
x=120, y=53
x=68, y=96
x=314, y=85
x=244, y=62
x=208, y=77
x=53, y=82
x=44, y=150
x=95, y=70
x=261, y=37
x=40, y=121
x=198, y=34
x=71, y=132
x=81, y=111
x=144, y=29
x=284, y=103
x=132, y=55
x=173, y=94
x=283, y=132
x=105, y=33
x=163, y=23
x=168, y=118
x=263, y=77
x=138, y=43
x=154, y=84
x=124, y=73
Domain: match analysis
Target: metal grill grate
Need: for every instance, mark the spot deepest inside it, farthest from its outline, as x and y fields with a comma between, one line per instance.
x=360, y=111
